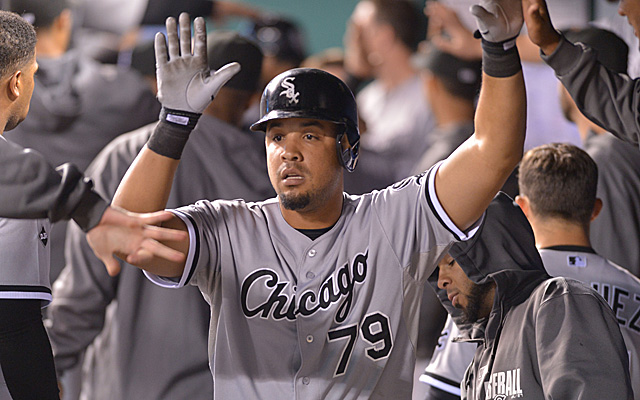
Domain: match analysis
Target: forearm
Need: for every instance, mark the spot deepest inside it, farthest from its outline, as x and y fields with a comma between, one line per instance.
x=609, y=99
x=470, y=178
x=147, y=184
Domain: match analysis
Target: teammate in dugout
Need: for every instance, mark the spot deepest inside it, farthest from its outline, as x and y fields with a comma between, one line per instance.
x=314, y=293
x=536, y=337
x=33, y=196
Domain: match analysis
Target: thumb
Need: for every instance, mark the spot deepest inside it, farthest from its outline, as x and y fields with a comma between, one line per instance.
x=482, y=15
x=219, y=78
x=112, y=265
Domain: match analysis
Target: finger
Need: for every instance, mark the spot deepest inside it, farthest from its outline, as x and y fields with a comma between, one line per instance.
x=172, y=38
x=160, y=47
x=185, y=34
x=160, y=250
x=154, y=218
x=157, y=233
x=200, y=34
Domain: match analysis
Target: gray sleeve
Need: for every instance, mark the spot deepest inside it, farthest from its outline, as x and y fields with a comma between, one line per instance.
x=31, y=188
x=609, y=99
x=580, y=350
x=81, y=295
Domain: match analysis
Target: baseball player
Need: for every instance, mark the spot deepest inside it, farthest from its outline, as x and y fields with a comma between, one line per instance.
x=25, y=353
x=314, y=293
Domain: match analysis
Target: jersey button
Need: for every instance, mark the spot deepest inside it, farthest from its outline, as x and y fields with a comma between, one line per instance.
x=306, y=380
x=309, y=338
x=312, y=252
x=310, y=275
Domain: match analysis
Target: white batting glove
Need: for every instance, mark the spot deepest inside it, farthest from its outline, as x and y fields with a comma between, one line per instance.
x=498, y=20
x=185, y=82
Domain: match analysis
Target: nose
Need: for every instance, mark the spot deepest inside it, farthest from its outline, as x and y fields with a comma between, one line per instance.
x=291, y=150
x=443, y=280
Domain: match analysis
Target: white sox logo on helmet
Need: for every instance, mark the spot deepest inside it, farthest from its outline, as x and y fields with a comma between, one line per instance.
x=290, y=90
x=280, y=305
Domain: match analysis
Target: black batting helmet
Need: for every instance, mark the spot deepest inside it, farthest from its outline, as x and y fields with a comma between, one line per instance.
x=316, y=94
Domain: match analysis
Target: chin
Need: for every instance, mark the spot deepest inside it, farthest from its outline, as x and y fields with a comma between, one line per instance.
x=294, y=202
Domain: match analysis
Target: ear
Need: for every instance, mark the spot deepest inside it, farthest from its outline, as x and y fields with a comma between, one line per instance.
x=523, y=202
x=597, y=207
x=14, y=86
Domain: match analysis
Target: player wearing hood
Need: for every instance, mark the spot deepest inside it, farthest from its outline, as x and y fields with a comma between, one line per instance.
x=538, y=337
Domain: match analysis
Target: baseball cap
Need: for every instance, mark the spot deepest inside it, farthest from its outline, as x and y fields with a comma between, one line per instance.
x=278, y=37
x=462, y=77
x=611, y=50
x=39, y=13
x=224, y=47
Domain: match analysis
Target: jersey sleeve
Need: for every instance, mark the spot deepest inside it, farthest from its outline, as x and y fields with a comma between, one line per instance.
x=609, y=99
x=193, y=256
x=31, y=189
x=592, y=359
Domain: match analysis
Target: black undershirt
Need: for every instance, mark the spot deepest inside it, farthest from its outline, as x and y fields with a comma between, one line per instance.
x=313, y=234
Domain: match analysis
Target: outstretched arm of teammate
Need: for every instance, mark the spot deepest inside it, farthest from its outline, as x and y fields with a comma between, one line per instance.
x=185, y=88
x=609, y=99
x=469, y=179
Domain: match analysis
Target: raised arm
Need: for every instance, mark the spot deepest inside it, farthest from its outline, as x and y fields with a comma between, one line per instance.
x=609, y=99
x=185, y=88
x=469, y=179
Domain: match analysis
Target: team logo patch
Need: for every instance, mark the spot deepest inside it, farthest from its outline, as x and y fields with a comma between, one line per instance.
x=290, y=90
x=576, y=261
x=44, y=237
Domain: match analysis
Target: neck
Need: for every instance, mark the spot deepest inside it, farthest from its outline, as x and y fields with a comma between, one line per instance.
x=558, y=232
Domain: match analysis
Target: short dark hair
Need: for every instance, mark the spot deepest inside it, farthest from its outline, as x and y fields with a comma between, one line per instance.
x=560, y=180
x=406, y=19
x=17, y=43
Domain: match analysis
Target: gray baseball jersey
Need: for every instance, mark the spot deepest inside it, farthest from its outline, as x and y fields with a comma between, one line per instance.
x=24, y=264
x=449, y=360
x=335, y=317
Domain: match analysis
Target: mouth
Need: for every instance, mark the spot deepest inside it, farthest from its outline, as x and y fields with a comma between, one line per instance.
x=453, y=298
x=291, y=177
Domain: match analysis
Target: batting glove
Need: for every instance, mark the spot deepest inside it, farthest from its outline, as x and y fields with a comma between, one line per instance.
x=185, y=82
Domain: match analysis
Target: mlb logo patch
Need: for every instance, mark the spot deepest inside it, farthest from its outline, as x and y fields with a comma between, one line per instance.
x=576, y=261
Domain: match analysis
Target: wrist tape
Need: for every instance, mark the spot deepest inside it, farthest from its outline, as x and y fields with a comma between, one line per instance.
x=500, y=60
x=169, y=139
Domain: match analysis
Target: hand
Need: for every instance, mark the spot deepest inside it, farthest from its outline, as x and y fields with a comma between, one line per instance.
x=448, y=34
x=355, y=55
x=184, y=80
x=133, y=236
x=498, y=20
x=539, y=26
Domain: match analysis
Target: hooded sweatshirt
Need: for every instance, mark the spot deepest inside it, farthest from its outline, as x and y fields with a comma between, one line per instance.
x=545, y=338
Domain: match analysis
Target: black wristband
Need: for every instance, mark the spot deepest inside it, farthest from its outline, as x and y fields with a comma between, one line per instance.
x=180, y=118
x=501, y=59
x=168, y=139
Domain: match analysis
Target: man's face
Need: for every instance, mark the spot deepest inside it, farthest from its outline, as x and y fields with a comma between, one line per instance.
x=474, y=300
x=631, y=10
x=302, y=162
x=25, y=83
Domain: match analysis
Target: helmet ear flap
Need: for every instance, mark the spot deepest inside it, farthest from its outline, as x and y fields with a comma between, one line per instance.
x=347, y=156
